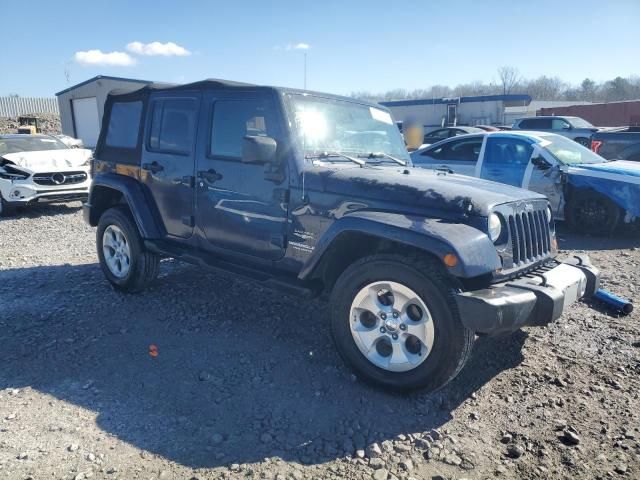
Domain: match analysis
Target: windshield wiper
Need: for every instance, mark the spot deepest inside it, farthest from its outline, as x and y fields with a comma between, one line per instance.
x=337, y=154
x=385, y=155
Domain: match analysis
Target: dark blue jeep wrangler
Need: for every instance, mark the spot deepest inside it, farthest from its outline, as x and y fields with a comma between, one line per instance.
x=316, y=194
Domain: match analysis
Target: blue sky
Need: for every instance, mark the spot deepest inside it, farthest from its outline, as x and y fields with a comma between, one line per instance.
x=353, y=45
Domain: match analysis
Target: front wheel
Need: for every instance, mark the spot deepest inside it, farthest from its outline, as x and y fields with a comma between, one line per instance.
x=593, y=213
x=123, y=259
x=395, y=322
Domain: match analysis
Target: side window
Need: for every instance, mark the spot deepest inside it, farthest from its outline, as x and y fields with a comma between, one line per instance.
x=461, y=150
x=233, y=120
x=536, y=124
x=124, y=125
x=436, y=135
x=559, y=124
x=507, y=151
x=466, y=150
x=173, y=124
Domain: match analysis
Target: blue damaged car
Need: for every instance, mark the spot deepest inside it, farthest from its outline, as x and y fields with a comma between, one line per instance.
x=591, y=194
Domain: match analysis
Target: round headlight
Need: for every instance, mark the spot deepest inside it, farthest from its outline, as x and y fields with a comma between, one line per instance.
x=495, y=227
x=549, y=214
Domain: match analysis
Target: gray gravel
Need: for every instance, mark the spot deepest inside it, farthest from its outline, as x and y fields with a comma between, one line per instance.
x=247, y=384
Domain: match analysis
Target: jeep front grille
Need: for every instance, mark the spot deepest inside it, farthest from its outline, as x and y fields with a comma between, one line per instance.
x=530, y=236
x=59, y=178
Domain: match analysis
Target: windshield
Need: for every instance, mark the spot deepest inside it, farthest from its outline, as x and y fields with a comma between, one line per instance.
x=570, y=152
x=577, y=122
x=29, y=143
x=336, y=126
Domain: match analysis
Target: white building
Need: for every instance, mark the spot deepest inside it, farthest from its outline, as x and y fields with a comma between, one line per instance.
x=436, y=112
x=81, y=106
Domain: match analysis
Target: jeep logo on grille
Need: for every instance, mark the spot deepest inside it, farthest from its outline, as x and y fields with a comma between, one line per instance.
x=58, y=178
x=528, y=207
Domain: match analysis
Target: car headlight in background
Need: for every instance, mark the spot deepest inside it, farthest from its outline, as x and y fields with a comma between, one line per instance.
x=495, y=227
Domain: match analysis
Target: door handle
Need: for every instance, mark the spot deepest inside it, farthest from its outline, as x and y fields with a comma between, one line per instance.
x=153, y=167
x=209, y=176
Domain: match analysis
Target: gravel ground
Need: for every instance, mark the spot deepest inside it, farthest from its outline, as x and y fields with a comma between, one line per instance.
x=246, y=382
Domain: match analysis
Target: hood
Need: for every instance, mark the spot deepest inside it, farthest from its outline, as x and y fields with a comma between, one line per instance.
x=618, y=167
x=47, y=160
x=417, y=187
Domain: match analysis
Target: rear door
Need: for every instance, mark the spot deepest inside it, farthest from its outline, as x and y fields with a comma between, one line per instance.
x=505, y=159
x=461, y=155
x=168, y=158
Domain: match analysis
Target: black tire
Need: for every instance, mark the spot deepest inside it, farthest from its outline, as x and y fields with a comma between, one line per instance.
x=585, y=142
x=144, y=265
x=6, y=208
x=592, y=213
x=452, y=341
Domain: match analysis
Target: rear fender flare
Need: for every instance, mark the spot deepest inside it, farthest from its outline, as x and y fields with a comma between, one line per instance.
x=475, y=252
x=142, y=209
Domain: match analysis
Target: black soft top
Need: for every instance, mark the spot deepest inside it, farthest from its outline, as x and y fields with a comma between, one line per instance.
x=160, y=87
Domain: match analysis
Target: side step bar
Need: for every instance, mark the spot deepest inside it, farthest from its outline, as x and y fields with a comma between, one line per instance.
x=290, y=285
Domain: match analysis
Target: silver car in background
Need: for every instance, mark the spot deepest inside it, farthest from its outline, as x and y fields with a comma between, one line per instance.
x=575, y=128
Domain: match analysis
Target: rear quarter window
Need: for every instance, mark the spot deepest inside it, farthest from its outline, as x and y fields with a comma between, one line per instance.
x=124, y=125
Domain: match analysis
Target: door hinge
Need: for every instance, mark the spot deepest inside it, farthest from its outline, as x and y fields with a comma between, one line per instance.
x=189, y=221
x=281, y=194
x=279, y=240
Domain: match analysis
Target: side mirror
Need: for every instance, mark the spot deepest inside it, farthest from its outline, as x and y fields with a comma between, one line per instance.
x=566, y=127
x=540, y=163
x=256, y=149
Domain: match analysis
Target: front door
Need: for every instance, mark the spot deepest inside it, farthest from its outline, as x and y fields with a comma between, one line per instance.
x=239, y=209
x=505, y=159
x=168, y=159
x=459, y=155
x=547, y=180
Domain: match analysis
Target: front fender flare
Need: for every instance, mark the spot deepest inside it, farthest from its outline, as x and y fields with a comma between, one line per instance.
x=475, y=251
x=141, y=208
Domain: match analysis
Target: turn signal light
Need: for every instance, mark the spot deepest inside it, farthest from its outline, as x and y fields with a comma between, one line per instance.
x=450, y=260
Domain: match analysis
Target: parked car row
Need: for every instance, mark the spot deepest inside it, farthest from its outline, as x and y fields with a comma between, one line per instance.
x=594, y=195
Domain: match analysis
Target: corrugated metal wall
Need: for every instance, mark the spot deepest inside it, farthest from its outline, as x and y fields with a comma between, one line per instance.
x=13, y=106
x=614, y=114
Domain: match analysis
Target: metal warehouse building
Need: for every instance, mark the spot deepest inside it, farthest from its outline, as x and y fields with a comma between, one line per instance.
x=436, y=112
x=81, y=106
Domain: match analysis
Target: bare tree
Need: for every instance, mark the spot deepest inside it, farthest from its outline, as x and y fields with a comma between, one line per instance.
x=509, y=77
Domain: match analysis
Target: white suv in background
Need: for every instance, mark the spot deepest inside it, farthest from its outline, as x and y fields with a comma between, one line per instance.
x=575, y=128
x=41, y=168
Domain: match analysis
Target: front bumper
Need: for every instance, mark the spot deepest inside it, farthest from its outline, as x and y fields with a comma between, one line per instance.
x=24, y=193
x=537, y=299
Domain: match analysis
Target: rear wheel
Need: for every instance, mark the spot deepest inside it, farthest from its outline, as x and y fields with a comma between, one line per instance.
x=585, y=142
x=395, y=322
x=123, y=259
x=591, y=212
